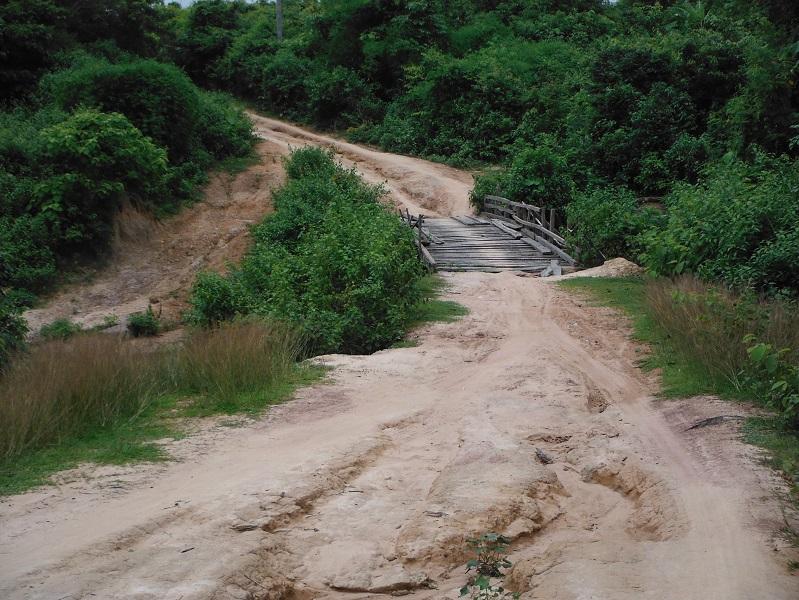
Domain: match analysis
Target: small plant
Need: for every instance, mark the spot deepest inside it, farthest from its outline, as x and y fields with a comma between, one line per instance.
x=142, y=324
x=109, y=321
x=60, y=329
x=491, y=551
x=776, y=378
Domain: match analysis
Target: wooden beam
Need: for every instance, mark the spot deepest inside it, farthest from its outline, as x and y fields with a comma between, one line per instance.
x=540, y=228
x=551, y=246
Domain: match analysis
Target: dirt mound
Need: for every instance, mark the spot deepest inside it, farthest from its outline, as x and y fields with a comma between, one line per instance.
x=615, y=267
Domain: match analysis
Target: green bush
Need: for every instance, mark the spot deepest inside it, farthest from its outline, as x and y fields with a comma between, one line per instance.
x=331, y=261
x=214, y=299
x=144, y=324
x=775, y=378
x=739, y=226
x=606, y=223
x=60, y=329
x=539, y=175
x=157, y=98
x=97, y=159
x=162, y=102
x=12, y=329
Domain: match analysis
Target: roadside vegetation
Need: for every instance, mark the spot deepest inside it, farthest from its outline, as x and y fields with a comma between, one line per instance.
x=331, y=260
x=93, y=117
x=332, y=270
x=706, y=339
x=96, y=397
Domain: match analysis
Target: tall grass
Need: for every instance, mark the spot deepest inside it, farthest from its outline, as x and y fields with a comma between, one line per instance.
x=69, y=389
x=223, y=366
x=64, y=388
x=708, y=323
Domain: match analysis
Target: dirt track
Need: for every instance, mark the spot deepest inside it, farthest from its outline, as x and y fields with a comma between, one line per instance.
x=367, y=485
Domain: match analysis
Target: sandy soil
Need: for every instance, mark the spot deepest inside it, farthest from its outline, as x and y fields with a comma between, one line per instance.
x=367, y=485
x=418, y=185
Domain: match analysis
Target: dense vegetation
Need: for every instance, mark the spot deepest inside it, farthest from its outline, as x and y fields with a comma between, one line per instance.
x=662, y=131
x=330, y=260
x=91, y=123
x=588, y=106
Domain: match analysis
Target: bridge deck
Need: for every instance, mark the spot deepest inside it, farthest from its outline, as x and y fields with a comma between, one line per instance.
x=476, y=244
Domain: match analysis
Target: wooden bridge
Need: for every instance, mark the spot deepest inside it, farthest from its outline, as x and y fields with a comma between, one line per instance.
x=507, y=236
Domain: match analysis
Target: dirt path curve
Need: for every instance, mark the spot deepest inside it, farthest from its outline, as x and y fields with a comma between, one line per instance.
x=366, y=486
x=421, y=186
x=158, y=262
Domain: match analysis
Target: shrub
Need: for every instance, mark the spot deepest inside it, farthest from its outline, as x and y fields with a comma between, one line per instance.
x=331, y=261
x=539, y=175
x=60, y=329
x=738, y=226
x=143, y=324
x=162, y=102
x=214, y=299
x=225, y=130
x=605, y=223
x=96, y=159
x=12, y=330
x=159, y=99
x=775, y=378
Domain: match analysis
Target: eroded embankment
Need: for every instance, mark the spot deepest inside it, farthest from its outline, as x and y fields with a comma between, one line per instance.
x=157, y=262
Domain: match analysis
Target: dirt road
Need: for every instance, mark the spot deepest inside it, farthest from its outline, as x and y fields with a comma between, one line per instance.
x=367, y=486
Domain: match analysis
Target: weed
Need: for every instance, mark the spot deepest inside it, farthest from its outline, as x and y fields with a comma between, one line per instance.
x=491, y=550
x=108, y=322
x=100, y=398
x=236, y=365
x=142, y=324
x=65, y=388
x=60, y=329
x=432, y=309
x=490, y=559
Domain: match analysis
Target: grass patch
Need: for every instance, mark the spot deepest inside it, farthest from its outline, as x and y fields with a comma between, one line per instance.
x=782, y=446
x=680, y=376
x=431, y=308
x=99, y=398
x=695, y=334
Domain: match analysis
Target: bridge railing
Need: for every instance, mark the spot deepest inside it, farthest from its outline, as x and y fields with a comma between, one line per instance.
x=532, y=221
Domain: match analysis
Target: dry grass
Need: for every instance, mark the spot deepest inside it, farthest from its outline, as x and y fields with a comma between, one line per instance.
x=708, y=323
x=63, y=388
x=70, y=389
x=238, y=358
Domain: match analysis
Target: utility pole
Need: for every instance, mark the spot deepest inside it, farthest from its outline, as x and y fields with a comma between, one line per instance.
x=279, y=19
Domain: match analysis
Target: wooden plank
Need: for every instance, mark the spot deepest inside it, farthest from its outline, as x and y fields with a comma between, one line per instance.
x=428, y=258
x=540, y=228
x=511, y=203
x=502, y=227
x=551, y=246
x=533, y=243
x=465, y=219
